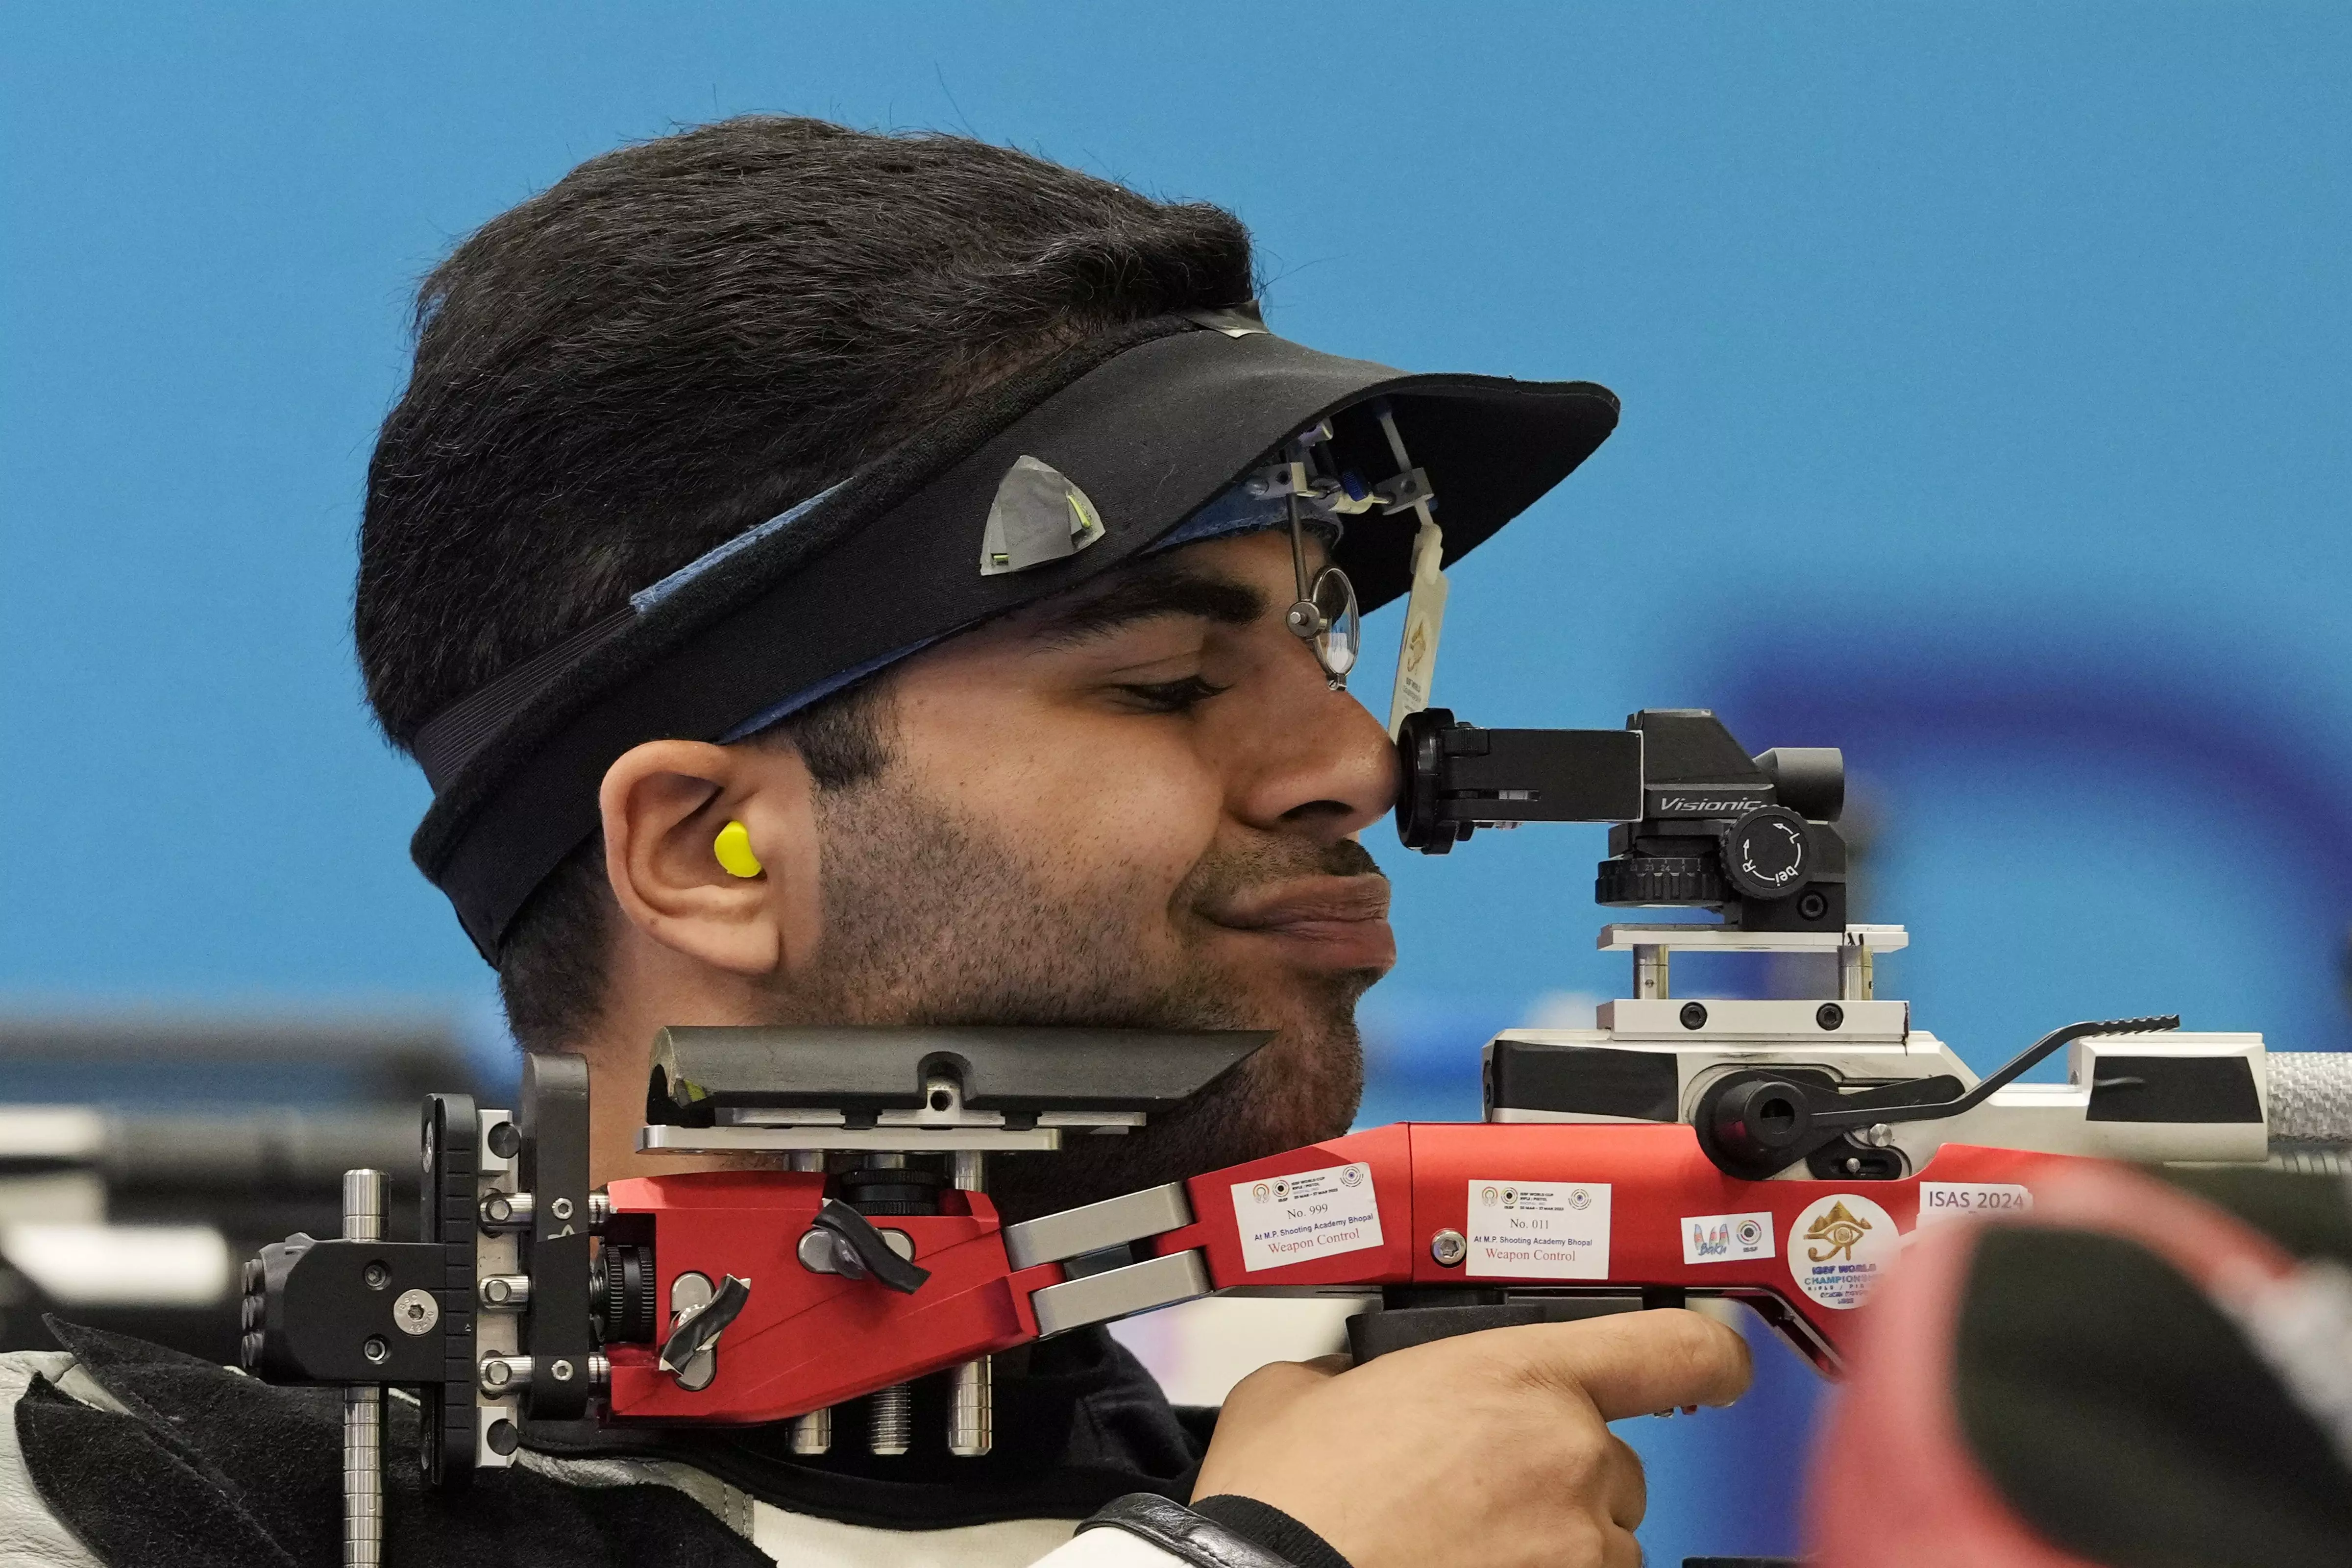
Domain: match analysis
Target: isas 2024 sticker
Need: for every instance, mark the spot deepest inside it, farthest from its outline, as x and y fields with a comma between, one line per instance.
x=1968, y=1200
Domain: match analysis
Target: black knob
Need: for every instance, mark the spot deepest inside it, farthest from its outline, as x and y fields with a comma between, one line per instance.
x=892, y=1190
x=620, y=1287
x=1658, y=880
x=1767, y=853
x=1761, y=1120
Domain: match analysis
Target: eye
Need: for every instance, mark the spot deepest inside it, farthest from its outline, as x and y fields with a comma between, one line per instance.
x=1170, y=696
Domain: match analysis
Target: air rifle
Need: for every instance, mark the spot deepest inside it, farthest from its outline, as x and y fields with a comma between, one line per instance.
x=1775, y=1152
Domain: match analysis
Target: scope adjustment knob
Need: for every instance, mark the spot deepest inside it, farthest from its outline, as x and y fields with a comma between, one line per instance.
x=621, y=1294
x=1658, y=880
x=1421, y=753
x=1768, y=854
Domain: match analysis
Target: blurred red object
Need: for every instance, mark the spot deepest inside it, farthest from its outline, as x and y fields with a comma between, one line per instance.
x=2090, y=1384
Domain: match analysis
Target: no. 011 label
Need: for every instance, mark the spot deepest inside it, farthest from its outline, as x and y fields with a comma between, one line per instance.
x=1959, y=1200
x=1538, y=1230
x=1313, y=1214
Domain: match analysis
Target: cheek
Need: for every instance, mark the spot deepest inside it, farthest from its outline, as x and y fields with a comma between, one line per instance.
x=1094, y=804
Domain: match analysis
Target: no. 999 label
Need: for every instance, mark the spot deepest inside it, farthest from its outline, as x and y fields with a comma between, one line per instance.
x=1311, y=1214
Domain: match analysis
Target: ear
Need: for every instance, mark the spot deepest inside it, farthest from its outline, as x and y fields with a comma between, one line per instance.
x=664, y=804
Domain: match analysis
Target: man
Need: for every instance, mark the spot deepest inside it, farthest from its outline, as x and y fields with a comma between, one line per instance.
x=852, y=579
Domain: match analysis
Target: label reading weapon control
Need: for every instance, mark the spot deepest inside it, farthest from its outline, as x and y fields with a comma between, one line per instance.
x=1726, y=1238
x=1314, y=1213
x=1960, y=1200
x=1538, y=1230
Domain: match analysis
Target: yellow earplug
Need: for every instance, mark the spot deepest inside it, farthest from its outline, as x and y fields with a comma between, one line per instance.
x=734, y=848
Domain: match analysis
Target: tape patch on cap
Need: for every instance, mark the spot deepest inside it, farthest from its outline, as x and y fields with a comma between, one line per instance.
x=1038, y=516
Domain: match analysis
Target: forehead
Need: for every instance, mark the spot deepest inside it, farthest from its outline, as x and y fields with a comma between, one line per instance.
x=1224, y=581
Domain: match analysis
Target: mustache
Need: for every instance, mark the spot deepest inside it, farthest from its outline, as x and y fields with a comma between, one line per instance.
x=1220, y=877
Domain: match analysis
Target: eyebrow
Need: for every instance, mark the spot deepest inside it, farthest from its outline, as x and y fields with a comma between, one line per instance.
x=1151, y=594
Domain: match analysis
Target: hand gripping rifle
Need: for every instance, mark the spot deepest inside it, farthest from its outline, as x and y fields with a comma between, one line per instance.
x=1771, y=1152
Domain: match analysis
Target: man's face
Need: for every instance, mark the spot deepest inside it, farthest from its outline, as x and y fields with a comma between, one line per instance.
x=1130, y=806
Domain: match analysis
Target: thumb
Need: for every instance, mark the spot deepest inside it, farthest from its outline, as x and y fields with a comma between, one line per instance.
x=1274, y=1386
x=1635, y=1364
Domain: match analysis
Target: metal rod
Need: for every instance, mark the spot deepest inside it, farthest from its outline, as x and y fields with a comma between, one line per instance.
x=971, y=1390
x=1650, y=971
x=813, y=1433
x=972, y=1408
x=362, y=1478
x=1855, y=982
x=363, y=1406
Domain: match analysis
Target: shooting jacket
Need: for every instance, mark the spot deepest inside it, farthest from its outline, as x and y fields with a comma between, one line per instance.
x=125, y=1454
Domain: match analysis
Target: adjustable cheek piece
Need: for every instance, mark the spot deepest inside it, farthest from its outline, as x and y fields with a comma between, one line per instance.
x=1325, y=616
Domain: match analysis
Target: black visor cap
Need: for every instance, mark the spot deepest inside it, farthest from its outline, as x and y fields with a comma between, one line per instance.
x=1152, y=425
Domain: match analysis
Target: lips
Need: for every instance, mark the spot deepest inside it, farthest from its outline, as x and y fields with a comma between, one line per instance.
x=1337, y=922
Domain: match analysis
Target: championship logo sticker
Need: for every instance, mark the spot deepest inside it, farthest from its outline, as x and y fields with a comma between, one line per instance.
x=1528, y=1231
x=1313, y=1214
x=1838, y=1245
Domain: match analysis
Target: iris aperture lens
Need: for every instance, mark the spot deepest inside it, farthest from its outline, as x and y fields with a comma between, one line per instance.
x=1341, y=634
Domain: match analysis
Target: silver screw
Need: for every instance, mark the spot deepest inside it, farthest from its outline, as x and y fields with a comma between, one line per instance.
x=1878, y=1135
x=1448, y=1247
x=560, y=1208
x=377, y=1276
x=376, y=1351
x=415, y=1311
x=893, y=1419
x=561, y=1370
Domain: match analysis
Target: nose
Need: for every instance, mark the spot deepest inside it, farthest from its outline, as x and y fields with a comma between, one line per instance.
x=1314, y=759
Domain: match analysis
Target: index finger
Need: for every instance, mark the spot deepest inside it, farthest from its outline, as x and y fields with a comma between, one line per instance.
x=1633, y=1363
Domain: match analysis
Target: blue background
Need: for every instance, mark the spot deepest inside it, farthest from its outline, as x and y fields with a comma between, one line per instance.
x=1985, y=376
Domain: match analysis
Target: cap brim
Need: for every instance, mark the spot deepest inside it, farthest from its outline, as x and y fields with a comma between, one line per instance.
x=1152, y=425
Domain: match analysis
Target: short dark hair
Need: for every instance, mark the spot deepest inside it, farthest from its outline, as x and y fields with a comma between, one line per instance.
x=680, y=340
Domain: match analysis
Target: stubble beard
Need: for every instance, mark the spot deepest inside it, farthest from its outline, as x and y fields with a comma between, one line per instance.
x=931, y=919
